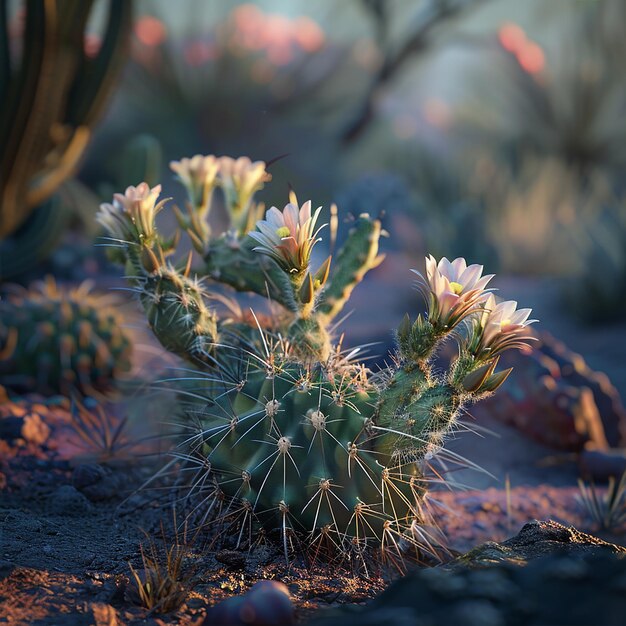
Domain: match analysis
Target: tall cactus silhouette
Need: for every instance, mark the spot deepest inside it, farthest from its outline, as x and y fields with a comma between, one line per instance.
x=51, y=94
x=288, y=430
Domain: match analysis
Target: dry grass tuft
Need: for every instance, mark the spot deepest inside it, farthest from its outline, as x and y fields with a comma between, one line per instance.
x=607, y=511
x=164, y=582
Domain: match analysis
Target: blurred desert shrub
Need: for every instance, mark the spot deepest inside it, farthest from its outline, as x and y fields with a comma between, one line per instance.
x=598, y=291
x=236, y=78
x=535, y=214
x=562, y=100
x=530, y=173
x=282, y=82
x=559, y=127
x=522, y=171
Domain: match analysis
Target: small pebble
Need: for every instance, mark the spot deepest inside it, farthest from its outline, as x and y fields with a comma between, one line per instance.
x=231, y=558
x=267, y=603
x=66, y=500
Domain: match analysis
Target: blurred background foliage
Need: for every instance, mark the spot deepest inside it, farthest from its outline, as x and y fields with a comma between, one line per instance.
x=492, y=129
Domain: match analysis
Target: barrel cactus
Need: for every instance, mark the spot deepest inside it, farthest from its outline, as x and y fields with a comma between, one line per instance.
x=58, y=340
x=288, y=429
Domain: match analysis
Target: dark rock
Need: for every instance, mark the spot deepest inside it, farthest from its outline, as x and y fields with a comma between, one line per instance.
x=87, y=475
x=382, y=616
x=196, y=603
x=557, y=400
x=537, y=539
x=477, y=613
x=554, y=414
x=66, y=500
x=97, y=482
x=547, y=574
x=575, y=371
x=231, y=558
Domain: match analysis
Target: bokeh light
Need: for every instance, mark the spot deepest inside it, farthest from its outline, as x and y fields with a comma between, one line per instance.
x=150, y=31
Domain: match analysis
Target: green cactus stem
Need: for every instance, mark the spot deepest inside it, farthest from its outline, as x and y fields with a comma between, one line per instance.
x=52, y=99
x=358, y=255
x=232, y=261
x=52, y=95
x=178, y=315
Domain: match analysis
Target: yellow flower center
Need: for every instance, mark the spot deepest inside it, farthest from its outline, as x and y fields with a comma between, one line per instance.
x=505, y=323
x=456, y=288
x=283, y=231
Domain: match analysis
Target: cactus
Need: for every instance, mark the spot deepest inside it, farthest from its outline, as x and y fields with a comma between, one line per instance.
x=51, y=97
x=57, y=340
x=293, y=432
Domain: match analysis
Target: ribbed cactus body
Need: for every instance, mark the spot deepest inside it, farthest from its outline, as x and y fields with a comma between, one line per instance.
x=304, y=446
x=56, y=340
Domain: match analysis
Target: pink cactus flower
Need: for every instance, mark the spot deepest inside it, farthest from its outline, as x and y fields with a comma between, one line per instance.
x=453, y=289
x=288, y=236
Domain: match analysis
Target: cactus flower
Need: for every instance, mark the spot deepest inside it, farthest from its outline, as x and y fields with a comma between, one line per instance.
x=453, y=289
x=198, y=175
x=240, y=179
x=501, y=326
x=288, y=236
x=131, y=216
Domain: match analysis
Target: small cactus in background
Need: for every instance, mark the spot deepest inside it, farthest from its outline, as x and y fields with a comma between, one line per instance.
x=292, y=432
x=57, y=340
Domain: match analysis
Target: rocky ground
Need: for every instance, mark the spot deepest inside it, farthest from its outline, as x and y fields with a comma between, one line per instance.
x=71, y=529
x=548, y=574
x=73, y=516
x=72, y=522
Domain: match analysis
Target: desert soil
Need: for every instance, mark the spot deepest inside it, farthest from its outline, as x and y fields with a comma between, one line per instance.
x=65, y=553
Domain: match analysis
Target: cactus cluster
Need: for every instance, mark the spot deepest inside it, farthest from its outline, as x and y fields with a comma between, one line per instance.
x=57, y=340
x=287, y=428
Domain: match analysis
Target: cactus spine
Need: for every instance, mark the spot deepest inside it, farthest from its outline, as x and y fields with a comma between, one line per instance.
x=291, y=432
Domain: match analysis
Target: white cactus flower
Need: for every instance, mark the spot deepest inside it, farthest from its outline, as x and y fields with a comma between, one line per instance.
x=131, y=216
x=453, y=289
x=240, y=179
x=501, y=326
x=198, y=174
x=288, y=236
